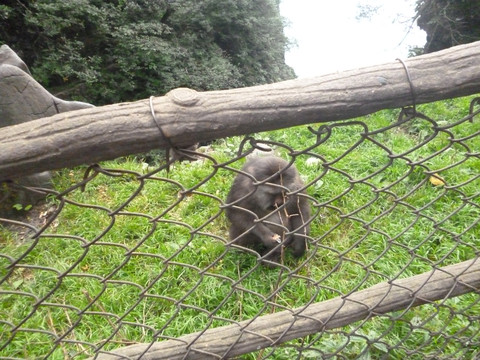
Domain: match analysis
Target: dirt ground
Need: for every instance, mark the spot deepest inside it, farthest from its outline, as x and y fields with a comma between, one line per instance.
x=26, y=223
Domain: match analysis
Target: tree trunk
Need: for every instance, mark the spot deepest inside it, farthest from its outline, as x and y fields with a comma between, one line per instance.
x=186, y=117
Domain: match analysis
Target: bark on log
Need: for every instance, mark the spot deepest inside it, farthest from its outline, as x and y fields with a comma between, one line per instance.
x=186, y=117
x=245, y=337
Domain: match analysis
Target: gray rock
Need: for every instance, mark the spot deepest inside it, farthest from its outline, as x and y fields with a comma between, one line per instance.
x=23, y=99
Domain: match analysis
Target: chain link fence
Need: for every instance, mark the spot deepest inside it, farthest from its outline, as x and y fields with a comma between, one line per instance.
x=126, y=259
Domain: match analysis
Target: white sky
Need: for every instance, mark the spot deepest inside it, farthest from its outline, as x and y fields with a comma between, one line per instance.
x=329, y=38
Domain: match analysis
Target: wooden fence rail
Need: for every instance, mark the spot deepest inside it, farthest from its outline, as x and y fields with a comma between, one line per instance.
x=185, y=116
x=248, y=336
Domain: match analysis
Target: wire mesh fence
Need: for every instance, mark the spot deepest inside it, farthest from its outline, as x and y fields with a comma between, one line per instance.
x=127, y=253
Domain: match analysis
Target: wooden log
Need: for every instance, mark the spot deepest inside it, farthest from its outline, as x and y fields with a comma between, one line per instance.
x=186, y=116
x=248, y=336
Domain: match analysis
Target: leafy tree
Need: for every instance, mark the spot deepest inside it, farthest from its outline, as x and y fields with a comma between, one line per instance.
x=448, y=22
x=122, y=50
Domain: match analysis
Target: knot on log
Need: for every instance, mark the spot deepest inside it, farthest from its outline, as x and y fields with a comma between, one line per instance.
x=184, y=96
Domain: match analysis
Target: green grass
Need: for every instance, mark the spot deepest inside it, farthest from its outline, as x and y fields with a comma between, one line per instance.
x=105, y=270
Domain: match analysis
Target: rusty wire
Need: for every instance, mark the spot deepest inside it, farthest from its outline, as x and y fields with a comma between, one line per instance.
x=157, y=285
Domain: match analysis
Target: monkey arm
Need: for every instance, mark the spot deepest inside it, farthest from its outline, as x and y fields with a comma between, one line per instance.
x=298, y=219
x=248, y=229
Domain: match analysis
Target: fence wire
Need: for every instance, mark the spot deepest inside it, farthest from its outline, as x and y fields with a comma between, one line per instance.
x=125, y=253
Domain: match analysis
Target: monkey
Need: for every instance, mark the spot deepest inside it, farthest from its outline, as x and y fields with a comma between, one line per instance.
x=261, y=208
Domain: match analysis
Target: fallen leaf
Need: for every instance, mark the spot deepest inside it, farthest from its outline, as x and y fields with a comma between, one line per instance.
x=437, y=180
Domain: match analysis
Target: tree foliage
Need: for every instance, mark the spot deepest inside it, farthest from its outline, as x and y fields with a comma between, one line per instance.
x=122, y=50
x=448, y=22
